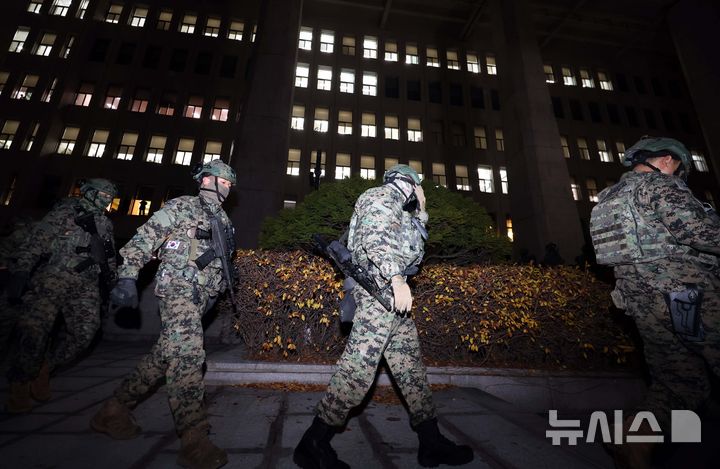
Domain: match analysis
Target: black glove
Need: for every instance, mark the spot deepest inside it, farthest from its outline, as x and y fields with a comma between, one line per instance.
x=16, y=287
x=125, y=293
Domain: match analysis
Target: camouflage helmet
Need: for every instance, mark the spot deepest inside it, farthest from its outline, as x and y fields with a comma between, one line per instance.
x=651, y=147
x=400, y=170
x=100, y=185
x=214, y=168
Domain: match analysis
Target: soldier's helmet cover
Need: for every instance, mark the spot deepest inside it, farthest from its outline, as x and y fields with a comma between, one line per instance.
x=214, y=168
x=402, y=172
x=98, y=184
x=650, y=147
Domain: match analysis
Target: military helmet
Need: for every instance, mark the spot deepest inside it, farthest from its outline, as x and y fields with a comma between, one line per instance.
x=400, y=170
x=99, y=184
x=651, y=147
x=214, y=168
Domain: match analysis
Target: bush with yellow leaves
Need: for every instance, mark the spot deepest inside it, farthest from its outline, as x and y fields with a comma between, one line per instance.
x=478, y=315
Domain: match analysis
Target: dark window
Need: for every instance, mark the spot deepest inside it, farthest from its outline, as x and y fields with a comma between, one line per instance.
x=631, y=117
x=613, y=114
x=558, y=107
x=668, y=120
x=657, y=87
x=650, y=118
x=477, y=99
x=594, y=112
x=203, y=63
x=228, y=65
x=392, y=87
x=178, y=60
x=435, y=92
x=456, y=97
x=436, y=131
x=99, y=50
x=640, y=85
x=685, y=123
x=413, y=90
x=621, y=82
x=495, y=100
x=152, y=57
x=576, y=110
x=674, y=88
x=126, y=53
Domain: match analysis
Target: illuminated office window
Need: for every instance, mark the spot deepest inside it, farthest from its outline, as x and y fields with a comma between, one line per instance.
x=473, y=64
x=254, y=33
x=699, y=161
x=59, y=7
x=391, y=51
x=438, y=174
x=3, y=80
x=220, y=110
x=509, y=228
x=503, y=180
x=212, y=27
x=7, y=134
x=113, y=13
x=480, y=138
x=164, y=20
x=138, y=17
x=46, y=44
x=140, y=204
x=167, y=104
x=293, y=163
x=452, y=60
x=235, y=31
x=585, y=79
x=324, y=78
x=414, y=130
x=68, y=47
x=187, y=25
x=367, y=167
x=213, y=150
x=499, y=140
x=97, y=143
x=620, y=147
x=390, y=162
x=34, y=6
x=84, y=94
x=18, y=41
x=583, y=147
x=327, y=41
x=26, y=89
x=392, y=129
x=30, y=141
x=432, y=59
x=183, y=155
x=591, y=186
x=568, y=77
x=485, y=178
x=302, y=73
x=347, y=80
x=68, y=140
x=565, y=146
x=462, y=181
x=417, y=166
x=490, y=64
x=549, y=73
x=126, y=150
x=603, y=153
x=368, y=125
x=82, y=9
x=306, y=37
x=605, y=82
x=370, y=46
x=298, y=117
x=139, y=102
x=575, y=189
x=321, y=120
x=113, y=98
x=411, y=54
x=194, y=107
x=156, y=149
x=7, y=195
x=342, y=166
x=348, y=45
x=345, y=122
x=369, y=84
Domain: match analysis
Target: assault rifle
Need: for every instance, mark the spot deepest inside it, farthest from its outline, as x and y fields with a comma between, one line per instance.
x=100, y=250
x=220, y=249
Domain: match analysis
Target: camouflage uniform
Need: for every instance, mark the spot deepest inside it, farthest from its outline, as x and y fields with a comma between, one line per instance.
x=680, y=243
x=183, y=291
x=385, y=241
x=10, y=246
x=57, y=287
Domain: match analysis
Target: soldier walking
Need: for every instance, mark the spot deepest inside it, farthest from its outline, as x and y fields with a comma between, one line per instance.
x=664, y=246
x=386, y=238
x=189, y=279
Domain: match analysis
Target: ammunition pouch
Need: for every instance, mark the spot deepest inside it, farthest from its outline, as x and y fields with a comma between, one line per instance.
x=686, y=313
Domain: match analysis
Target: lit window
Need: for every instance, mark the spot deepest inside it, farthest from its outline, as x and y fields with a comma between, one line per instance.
x=583, y=147
x=82, y=9
x=193, y=109
x=462, y=181
x=568, y=77
x=392, y=130
x=485, y=179
x=411, y=54
x=84, y=94
x=503, y=180
x=345, y=122
x=113, y=13
x=367, y=167
x=313, y=164
x=432, y=57
x=18, y=41
x=235, y=32
x=183, y=155
x=414, y=130
x=30, y=141
x=480, y=138
x=347, y=80
x=499, y=140
x=490, y=64
x=7, y=134
x=605, y=82
x=620, y=146
x=212, y=27
x=34, y=6
x=699, y=161
x=164, y=20
x=324, y=78
x=585, y=79
x=3, y=80
x=298, y=118
x=26, y=88
x=575, y=188
x=348, y=45
x=113, y=97
x=603, y=153
x=293, y=164
x=138, y=17
x=126, y=150
x=438, y=174
x=549, y=74
x=220, y=110
x=565, y=146
x=306, y=36
x=97, y=144
x=473, y=64
x=45, y=45
x=7, y=195
x=254, y=33
x=289, y=203
x=166, y=106
x=302, y=72
x=327, y=41
x=370, y=46
x=452, y=60
x=140, y=101
x=68, y=47
x=67, y=141
x=591, y=186
x=417, y=166
x=509, y=228
x=321, y=120
x=156, y=149
x=368, y=125
x=59, y=7
x=187, y=25
x=391, y=51
x=390, y=162
x=213, y=150
x=342, y=166
x=369, y=84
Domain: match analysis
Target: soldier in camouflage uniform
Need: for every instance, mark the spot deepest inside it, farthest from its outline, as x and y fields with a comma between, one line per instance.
x=188, y=280
x=76, y=238
x=386, y=237
x=664, y=246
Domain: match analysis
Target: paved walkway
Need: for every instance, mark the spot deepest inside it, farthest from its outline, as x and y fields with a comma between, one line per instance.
x=260, y=427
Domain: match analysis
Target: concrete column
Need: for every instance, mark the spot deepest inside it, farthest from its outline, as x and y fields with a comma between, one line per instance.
x=260, y=151
x=541, y=202
x=695, y=28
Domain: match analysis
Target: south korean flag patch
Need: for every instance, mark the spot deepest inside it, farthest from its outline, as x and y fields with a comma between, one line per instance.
x=172, y=244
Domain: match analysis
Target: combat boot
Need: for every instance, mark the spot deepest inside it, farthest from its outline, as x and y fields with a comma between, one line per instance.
x=436, y=449
x=314, y=450
x=114, y=419
x=40, y=386
x=198, y=452
x=18, y=401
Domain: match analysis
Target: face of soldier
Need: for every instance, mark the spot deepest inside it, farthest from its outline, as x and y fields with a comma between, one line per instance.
x=102, y=200
x=210, y=184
